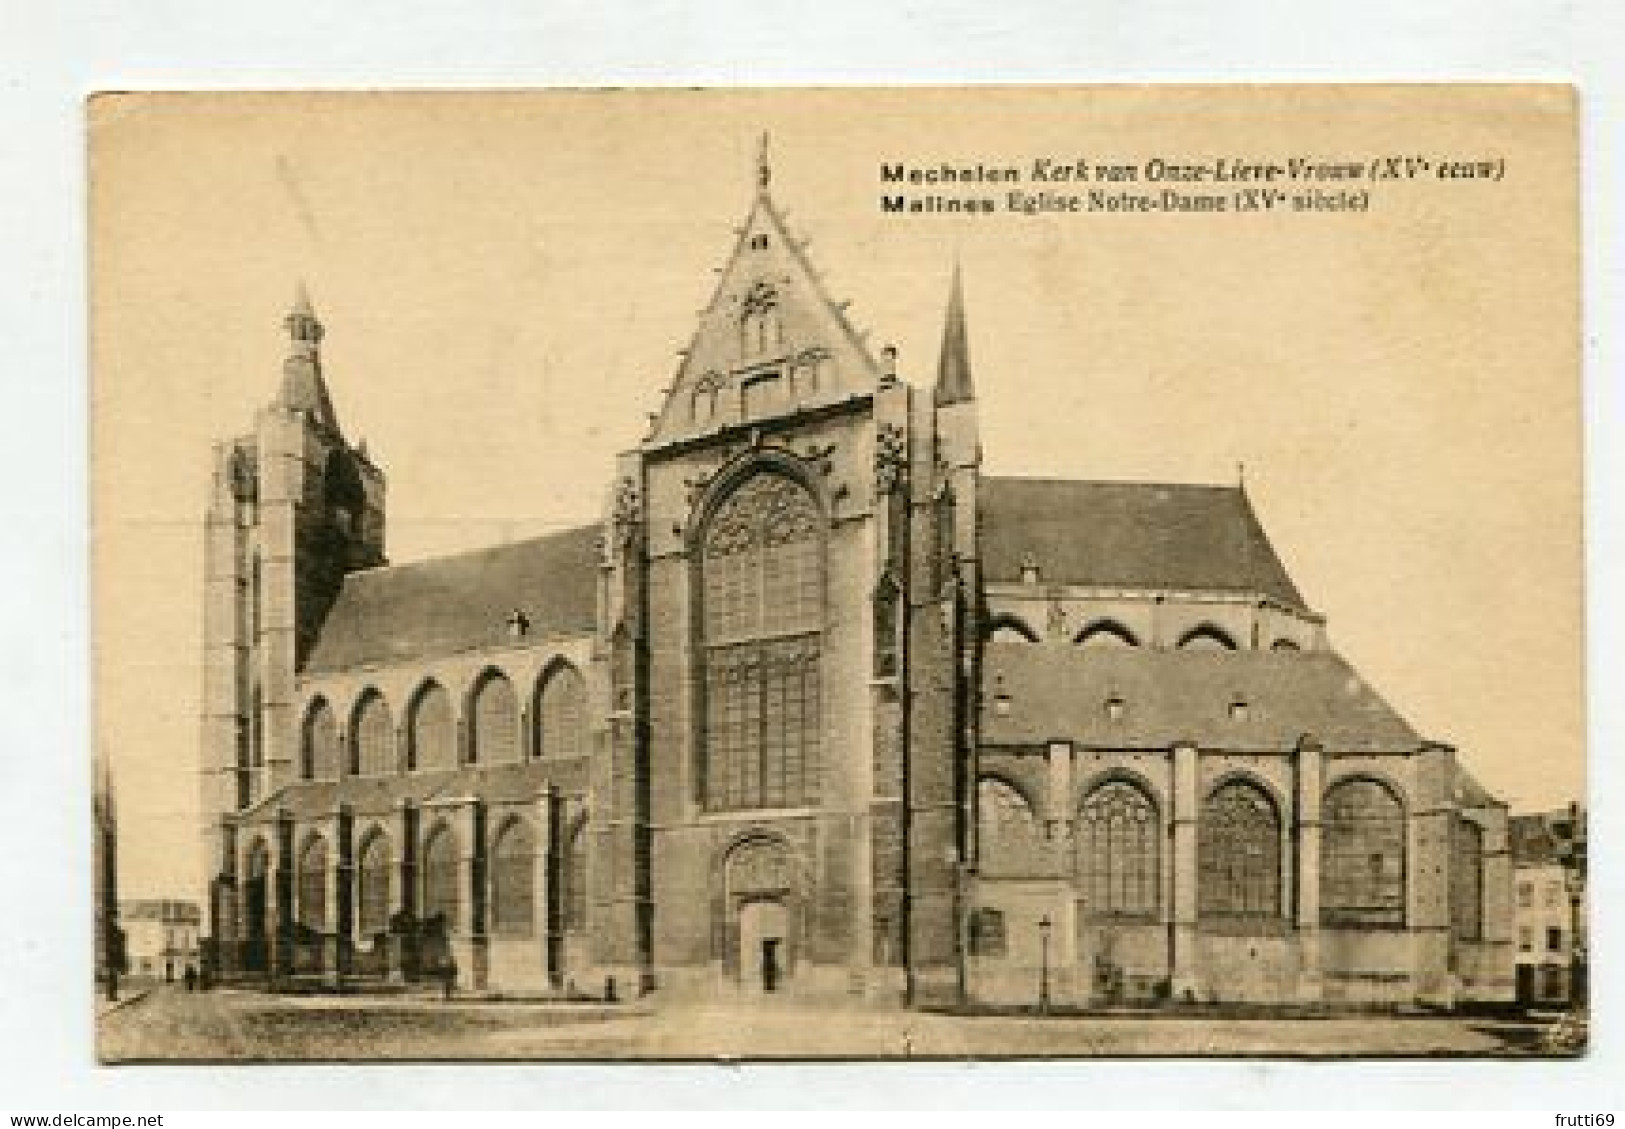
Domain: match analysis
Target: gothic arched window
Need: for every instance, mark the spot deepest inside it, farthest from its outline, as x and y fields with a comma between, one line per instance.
x=1010, y=629
x=372, y=886
x=429, y=733
x=440, y=876
x=1362, y=855
x=320, y=746
x=1207, y=637
x=494, y=725
x=561, y=713
x=762, y=580
x=1106, y=633
x=372, y=737
x=312, y=890
x=1009, y=841
x=513, y=880
x=1467, y=880
x=1239, y=853
x=1118, y=857
x=759, y=325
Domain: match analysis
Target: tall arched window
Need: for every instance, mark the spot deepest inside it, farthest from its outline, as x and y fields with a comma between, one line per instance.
x=561, y=713
x=1009, y=841
x=494, y=724
x=440, y=876
x=321, y=742
x=1362, y=855
x=372, y=886
x=1467, y=880
x=1239, y=852
x=372, y=737
x=762, y=570
x=1118, y=857
x=430, y=740
x=513, y=880
x=312, y=888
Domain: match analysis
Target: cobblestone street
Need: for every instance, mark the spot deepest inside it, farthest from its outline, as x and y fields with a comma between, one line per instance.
x=233, y=1025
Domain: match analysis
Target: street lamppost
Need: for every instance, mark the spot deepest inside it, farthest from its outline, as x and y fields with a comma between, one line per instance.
x=1044, y=927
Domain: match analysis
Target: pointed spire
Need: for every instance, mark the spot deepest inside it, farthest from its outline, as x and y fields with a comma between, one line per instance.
x=303, y=388
x=764, y=164
x=302, y=324
x=953, y=365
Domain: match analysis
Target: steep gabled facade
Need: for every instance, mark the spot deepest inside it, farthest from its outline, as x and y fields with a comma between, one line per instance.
x=818, y=707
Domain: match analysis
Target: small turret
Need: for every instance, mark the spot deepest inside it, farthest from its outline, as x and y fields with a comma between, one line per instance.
x=303, y=389
x=954, y=384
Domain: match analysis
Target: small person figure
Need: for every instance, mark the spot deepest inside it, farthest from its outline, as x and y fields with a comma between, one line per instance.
x=448, y=977
x=191, y=978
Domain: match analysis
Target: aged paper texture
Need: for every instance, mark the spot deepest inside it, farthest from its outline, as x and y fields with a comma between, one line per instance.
x=855, y=573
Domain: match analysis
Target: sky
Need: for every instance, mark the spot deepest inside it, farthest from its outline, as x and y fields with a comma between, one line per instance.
x=506, y=279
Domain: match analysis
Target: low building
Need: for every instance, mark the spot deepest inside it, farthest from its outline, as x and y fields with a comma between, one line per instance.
x=1548, y=851
x=161, y=937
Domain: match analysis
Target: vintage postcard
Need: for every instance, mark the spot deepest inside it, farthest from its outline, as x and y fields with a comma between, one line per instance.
x=855, y=573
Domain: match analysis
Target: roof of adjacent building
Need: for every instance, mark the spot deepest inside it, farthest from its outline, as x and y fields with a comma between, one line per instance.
x=1543, y=838
x=160, y=909
x=380, y=795
x=436, y=607
x=1062, y=693
x=1129, y=535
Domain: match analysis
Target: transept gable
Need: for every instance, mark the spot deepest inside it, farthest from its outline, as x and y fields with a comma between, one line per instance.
x=770, y=342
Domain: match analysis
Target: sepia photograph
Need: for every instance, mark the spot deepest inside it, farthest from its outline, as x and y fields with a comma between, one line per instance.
x=837, y=573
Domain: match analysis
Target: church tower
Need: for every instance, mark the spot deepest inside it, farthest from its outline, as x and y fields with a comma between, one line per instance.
x=293, y=507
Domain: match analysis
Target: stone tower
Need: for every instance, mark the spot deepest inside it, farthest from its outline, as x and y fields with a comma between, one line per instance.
x=293, y=506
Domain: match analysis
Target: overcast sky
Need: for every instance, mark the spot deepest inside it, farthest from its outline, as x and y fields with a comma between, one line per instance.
x=505, y=281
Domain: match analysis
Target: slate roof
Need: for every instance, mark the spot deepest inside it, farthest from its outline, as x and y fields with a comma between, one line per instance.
x=380, y=795
x=1060, y=693
x=436, y=607
x=1129, y=535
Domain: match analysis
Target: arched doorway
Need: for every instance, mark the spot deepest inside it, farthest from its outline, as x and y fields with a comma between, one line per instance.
x=763, y=914
x=764, y=944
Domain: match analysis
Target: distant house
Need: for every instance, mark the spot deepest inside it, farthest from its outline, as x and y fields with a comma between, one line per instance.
x=1548, y=852
x=161, y=937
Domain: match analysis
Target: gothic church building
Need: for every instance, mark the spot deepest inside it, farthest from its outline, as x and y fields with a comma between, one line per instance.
x=817, y=708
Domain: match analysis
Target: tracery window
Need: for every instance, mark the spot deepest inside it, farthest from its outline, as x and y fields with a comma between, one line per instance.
x=1010, y=629
x=762, y=628
x=561, y=713
x=440, y=876
x=1009, y=840
x=1239, y=853
x=1467, y=880
x=372, y=886
x=513, y=880
x=494, y=726
x=703, y=404
x=1118, y=850
x=372, y=737
x=759, y=324
x=429, y=729
x=1362, y=855
x=321, y=742
x=312, y=908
